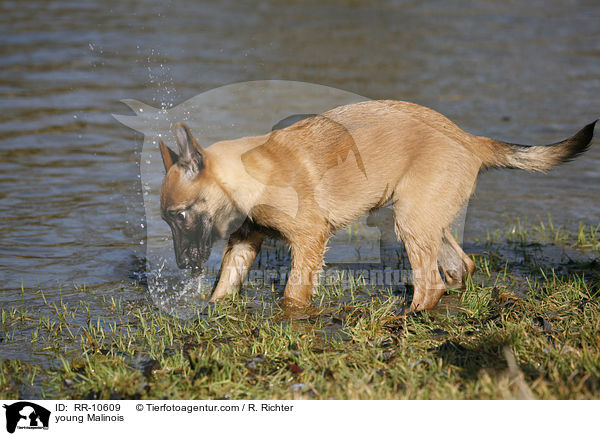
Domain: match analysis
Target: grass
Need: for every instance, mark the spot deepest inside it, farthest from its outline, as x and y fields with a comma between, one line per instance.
x=519, y=329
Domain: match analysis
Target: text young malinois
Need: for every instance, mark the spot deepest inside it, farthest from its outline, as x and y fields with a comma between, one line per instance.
x=305, y=181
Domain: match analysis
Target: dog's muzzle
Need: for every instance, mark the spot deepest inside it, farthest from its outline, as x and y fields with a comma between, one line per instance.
x=192, y=258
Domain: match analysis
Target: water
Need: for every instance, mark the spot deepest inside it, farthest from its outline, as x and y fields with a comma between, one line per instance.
x=70, y=193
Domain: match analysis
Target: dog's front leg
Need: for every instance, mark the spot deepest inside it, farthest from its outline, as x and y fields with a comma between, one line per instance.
x=239, y=254
x=307, y=262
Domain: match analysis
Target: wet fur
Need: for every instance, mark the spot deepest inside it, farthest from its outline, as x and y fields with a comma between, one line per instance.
x=305, y=181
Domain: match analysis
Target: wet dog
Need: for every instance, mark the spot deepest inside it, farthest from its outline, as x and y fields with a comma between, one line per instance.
x=302, y=182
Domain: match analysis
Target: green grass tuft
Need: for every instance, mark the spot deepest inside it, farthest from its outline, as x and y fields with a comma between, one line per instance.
x=523, y=327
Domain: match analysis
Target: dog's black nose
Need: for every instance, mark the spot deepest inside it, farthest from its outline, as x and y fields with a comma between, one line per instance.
x=183, y=262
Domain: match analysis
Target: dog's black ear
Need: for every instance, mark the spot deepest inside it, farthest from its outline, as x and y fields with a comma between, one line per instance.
x=190, y=153
x=169, y=157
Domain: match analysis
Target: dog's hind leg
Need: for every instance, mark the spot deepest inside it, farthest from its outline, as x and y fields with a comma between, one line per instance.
x=427, y=282
x=419, y=223
x=427, y=199
x=453, y=261
x=239, y=254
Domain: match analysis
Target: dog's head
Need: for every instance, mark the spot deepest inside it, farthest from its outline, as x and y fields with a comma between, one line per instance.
x=192, y=201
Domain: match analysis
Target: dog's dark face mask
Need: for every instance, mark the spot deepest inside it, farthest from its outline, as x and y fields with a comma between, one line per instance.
x=192, y=203
x=192, y=237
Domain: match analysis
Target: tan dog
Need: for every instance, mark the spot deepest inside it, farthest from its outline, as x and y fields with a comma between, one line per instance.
x=303, y=182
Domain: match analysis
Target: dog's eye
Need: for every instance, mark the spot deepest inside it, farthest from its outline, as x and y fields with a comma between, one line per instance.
x=181, y=215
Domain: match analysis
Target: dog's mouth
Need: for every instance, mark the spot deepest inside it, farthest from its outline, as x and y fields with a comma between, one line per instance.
x=196, y=267
x=192, y=250
x=197, y=271
x=194, y=258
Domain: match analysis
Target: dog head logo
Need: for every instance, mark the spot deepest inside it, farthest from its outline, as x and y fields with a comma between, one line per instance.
x=195, y=196
x=26, y=415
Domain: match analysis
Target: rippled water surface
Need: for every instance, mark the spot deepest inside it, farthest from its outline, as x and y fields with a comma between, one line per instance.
x=70, y=194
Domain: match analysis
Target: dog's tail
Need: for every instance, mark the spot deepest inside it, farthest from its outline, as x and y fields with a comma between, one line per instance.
x=537, y=157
